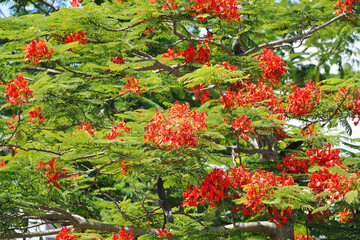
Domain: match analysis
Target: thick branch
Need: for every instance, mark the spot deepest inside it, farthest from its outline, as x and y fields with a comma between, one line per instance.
x=50, y=5
x=50, y=70
x=295, y=38
x=271, y=154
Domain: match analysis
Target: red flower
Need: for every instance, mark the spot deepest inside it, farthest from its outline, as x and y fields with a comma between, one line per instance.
x=123, y=235
x=86, y=127
x=302, y=100
x=243, y=125
x=169, y=4
x=171, y=53
x=36, y=51
x=177, y=129
x=345, y=5
x=125, y=167
x=65, y=235
x=132, y=86
x=226, y=9
x=228, y=66
x=202, y=95
x=36, y=115
x=249, y=94
x=163, y=233
x=272, y=66
x=310, y=132
x=118, y=60
x=51, y=172
x=2, y=163
x=75, y=3
x=18, y=90
x=11, y=123
x=114, y=133
x=303, y=237
x=79, y=37
x=294, y=164
x=345, y=216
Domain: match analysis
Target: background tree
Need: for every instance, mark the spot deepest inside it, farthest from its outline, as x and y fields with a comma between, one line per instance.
x=174, y=118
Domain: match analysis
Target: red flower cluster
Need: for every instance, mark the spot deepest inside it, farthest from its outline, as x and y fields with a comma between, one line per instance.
x=345, y=216
x=255, y=187
x=309, y=132
x=163, y=233
x=250, y=94
x=278, y=127
x=244, y=126
x=2, y=163
x=86, y=127
x=345, y=5
x=114, y=134
x=228, y=66
x=11, y=123
x=202, y=95
x=36, y=115
x=123, y=235
x=199, y=54
x=279, y=216
x=303, y=237
x=302, y=100
x=75, y=3
x=169, y=4
x=18, y=90
x=118, y=60
x=132, y=86
x=351, y=103
x=171, y=54
x=225, y=9
x=36, y=51
x=179, y=128
x=65, y=235
x=325, y=157
x=79, y=37
x=51, y=172
x=272, y=66
x=125, y=167
x=337, y=185
x=294, y=164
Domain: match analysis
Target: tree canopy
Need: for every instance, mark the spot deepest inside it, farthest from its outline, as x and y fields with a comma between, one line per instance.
x=200, y=119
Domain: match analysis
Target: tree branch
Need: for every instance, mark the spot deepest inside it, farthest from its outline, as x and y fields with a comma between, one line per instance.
x=295, y=38
x=271, y=154
x=50, y=5
x=50, y=70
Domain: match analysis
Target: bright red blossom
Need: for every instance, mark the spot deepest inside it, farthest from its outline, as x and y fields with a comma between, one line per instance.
x=163, y=233
x=345, y=5
x=36, y=51
x=226, y=9
x=86, y=127
x=249, y=94
x=350, y=103
x=168, y=4
x=51, y=172
x=345, y=216
x=309, y=132
x=132, y=86
x=115, y=133
x=2, y=163
x=75, y=3
x=65, y=235
x=201, y=93
x=272, y=66
x=244, y=126
x=254, y=187
x=123, y=235
x=79, y=37
x=303, y=237
x=36, y=115
x=18, y=90
x=302, y=100
x=294, y=164
x=178, y=128
x=11, y=123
